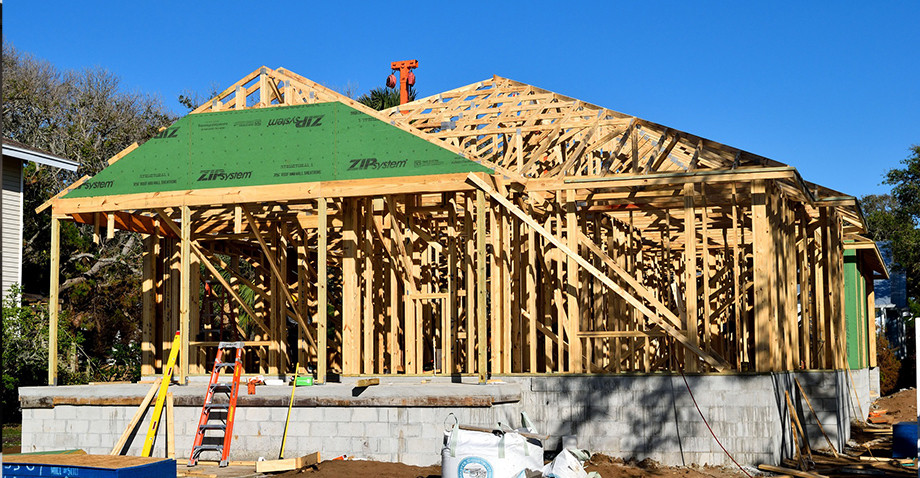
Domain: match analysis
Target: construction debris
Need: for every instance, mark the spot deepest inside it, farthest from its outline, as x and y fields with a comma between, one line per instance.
x=870, y=458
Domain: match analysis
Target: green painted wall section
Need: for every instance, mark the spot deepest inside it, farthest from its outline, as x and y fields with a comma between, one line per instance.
x=280, y=145
x=856, y=305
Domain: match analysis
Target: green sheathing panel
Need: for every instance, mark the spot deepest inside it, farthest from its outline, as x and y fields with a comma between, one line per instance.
x=280, y=145
x=855, y=302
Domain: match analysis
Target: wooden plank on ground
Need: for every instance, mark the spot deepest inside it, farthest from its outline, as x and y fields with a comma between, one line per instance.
x=287, y=464
x=367, y=382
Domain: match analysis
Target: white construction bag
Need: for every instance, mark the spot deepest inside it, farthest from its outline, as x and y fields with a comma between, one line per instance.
x=496, y=454
x=569, y=464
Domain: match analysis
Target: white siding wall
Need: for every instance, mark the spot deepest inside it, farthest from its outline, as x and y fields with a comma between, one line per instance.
x=11, y=218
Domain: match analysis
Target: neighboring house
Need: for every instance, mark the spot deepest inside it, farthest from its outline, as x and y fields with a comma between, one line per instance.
x=11, y=205
x=891, y=304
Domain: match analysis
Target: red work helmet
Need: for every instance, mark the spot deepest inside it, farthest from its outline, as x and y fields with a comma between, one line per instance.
x=410, y=78
x=391, y=81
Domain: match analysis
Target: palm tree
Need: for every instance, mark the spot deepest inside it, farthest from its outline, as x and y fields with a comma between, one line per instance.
x=383, y=98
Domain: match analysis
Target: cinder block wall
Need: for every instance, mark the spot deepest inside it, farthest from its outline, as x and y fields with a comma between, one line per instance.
x=627, y=416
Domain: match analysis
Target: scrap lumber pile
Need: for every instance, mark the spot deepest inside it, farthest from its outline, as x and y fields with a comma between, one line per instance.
x=869, y=458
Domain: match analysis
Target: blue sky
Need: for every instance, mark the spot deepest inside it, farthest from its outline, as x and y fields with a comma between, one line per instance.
x=830, y=87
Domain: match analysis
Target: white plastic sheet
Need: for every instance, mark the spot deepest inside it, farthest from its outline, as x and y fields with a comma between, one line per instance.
x=569, y=464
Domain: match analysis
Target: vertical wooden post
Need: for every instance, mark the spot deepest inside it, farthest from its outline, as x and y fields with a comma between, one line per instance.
x=184, y=293
x=481, y=284
x=411, y=317
x=531, y=291
x=559, y=286
x=764, y=328
x=495, y=290
x=506, y=284
x=396, y=353
x=351, y=338
x=303, y=285
x=576, y=362
x=281, y=256
x=870, y=317
x=805, y=289
x=451, y=348
x=469, y=259
x=322, y=353
x=264, y=92
x=791, y=286
x=690, y=293
x=819, y=274
x=196, y=366
x=829, y=315
x=276, y=316
x=148, y=316
x=707, y=307
x=368, y=273
x=53, y=300
x=740, y=352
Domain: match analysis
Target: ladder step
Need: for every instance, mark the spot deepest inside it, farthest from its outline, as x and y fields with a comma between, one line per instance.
x=213, y=426
x=201, y=448
x=230, y=345
x=218, y=406
x=221, y=387
x=225, y=364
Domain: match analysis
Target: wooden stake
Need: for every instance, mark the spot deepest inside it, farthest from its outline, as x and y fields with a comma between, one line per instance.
x=818, y=420
x=170, y=427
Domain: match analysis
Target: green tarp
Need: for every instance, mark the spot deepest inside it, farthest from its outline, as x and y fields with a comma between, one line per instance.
x=279, y=145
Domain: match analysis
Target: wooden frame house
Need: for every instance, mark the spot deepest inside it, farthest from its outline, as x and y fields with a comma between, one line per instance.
x=492, y=229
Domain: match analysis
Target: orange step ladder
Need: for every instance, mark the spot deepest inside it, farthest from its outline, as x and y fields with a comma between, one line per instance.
x=223, y=424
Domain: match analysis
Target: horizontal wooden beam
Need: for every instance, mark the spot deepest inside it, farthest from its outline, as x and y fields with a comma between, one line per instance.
x=660, y=179
x=266, y=193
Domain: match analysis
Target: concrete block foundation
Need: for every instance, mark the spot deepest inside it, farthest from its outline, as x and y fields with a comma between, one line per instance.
x=630, y=416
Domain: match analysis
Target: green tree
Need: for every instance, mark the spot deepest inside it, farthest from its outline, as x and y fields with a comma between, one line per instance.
x=895, y=218
x=383, y=98
x=25, y=351
x=86, y=116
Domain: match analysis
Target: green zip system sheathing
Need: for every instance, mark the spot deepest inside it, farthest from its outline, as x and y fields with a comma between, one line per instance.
x=265, y=146
x=857, y=315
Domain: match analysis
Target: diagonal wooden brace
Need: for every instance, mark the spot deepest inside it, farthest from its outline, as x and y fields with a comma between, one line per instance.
x=652, y=316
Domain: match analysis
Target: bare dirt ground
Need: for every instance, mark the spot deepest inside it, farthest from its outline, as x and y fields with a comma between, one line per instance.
x=606, y=466
x=901, y=406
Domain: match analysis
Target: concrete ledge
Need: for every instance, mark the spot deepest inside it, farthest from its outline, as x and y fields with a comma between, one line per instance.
x=329, y=395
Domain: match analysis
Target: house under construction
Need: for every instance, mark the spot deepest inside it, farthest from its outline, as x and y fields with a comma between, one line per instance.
x=493, y=230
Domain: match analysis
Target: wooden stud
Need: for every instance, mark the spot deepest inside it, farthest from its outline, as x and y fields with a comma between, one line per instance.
x=481, y=318
x=367, y=328
x=690, y=284
x=469, y=261
x=321, y=291
x=53, y=300
x=185, y=297
x=148, y=314
x=764, y=330
x=571, y=224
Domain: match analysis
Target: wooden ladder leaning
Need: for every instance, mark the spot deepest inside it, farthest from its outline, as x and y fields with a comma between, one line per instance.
x=222, y=424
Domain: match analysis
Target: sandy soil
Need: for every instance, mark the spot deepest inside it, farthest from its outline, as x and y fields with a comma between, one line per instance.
x=606, y=466
x=901, y=406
